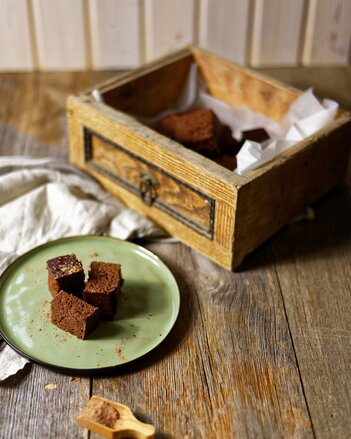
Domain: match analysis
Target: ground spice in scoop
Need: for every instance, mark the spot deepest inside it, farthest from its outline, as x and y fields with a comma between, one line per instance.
x=101, y=412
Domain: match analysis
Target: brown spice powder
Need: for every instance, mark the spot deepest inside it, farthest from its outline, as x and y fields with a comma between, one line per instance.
x=101, y=412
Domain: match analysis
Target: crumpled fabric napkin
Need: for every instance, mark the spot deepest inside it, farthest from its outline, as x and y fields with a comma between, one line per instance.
x=46, y=199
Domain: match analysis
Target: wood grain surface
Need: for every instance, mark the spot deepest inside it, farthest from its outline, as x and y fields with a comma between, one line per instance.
x=115, y=33
x=319, y=308
x=174, y=195
x=223, y=26
x=264, y=352
x=60, y=34
x=276, y=32
x=239, y=86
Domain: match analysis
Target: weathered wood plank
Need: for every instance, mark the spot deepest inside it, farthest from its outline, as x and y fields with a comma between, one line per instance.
x=33, y=111
x=328, y=33
x=237, y=85
x=16, y=38
x=60, y=34
x=115, y=31
x=276, y=33
x=327, y=82
x=228, y=368
x=168, y=26
x=29, y=410
x=224, y=28
x=313, y=262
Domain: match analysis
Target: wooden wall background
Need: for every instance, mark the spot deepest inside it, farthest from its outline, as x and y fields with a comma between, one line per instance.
x=121, y=34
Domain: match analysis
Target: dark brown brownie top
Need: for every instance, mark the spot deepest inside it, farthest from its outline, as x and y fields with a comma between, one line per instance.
x=200, y=130
x=72, y=305
x=258, y=135
x=104, y=277
x=62, y=266
x=190, y=127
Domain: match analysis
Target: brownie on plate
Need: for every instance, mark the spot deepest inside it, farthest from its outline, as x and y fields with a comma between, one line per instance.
x=73, y=315
x=103, y=287
x=65, y=273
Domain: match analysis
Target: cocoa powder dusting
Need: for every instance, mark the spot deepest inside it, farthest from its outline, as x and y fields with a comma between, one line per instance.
x=101, y=412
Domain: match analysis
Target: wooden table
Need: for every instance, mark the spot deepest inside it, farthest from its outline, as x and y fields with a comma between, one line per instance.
x=263, y=352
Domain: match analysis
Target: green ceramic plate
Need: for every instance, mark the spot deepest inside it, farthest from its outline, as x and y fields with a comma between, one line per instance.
x=147, y=309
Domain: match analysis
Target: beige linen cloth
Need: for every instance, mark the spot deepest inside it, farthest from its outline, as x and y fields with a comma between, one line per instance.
x=45, y=199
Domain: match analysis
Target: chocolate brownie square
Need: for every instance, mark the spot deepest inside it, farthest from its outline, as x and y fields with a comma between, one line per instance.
x=73, y=315
x=198, y=129
x=258, y=135
x=103, y=287
x=65, y=273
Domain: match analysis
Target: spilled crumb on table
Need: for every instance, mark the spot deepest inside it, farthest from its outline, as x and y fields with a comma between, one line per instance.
x=75, y=379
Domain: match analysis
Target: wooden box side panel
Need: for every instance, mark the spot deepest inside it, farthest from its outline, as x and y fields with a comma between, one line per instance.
x=151, y=91
x=189, y=205
x=239, y=86
x=219, y=246
x=268, y=202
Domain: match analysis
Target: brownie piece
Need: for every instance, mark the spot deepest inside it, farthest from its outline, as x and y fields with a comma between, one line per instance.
x=73, y=315
x=201, y=131
x=258, y=135
x=65, y=273
x=229, y=145
x=198, y=129
x=227, y=161
x=103, y=286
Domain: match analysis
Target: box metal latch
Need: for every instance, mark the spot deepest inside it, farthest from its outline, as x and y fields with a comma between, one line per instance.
x=148, y=187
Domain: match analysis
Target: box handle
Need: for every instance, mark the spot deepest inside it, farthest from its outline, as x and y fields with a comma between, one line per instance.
x=148, y=187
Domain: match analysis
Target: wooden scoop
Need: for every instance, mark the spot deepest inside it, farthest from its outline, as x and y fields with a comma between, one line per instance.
x=113, y=420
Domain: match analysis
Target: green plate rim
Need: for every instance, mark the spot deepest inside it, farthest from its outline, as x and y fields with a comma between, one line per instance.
x=95, y=370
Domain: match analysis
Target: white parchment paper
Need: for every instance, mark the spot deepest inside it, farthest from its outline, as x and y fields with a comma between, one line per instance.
x=305, y=117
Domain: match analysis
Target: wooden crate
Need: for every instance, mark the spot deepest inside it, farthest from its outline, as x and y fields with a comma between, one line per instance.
x=219, y=213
